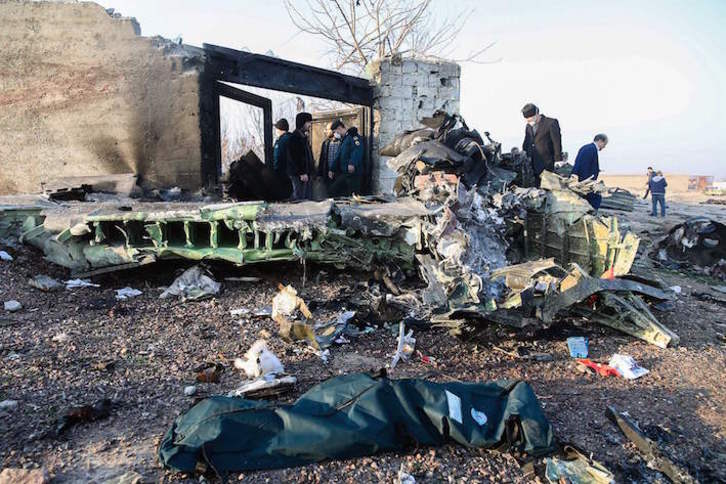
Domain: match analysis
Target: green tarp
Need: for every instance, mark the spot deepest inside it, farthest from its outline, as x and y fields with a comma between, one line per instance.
x=351, y=416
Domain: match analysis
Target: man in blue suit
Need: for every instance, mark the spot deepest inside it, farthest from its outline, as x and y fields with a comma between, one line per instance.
x=587, y=165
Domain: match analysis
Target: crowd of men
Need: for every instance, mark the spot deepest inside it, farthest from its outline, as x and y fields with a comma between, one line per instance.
x=342, y=155
x=340, y=164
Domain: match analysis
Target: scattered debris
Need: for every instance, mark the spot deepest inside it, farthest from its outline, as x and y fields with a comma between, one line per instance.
x=705, y=296
x=259, y=361
x=618, y=199
x=577, y=346
x=243, y=279
x=404, y=477
x=45, y=283
x=11, y=475
x=406, y=345
x=334, y=332
x=13, y=306
x=656, y=458
x=82, y=414
x=209, y=372
x=698, y=242
x=268, y=386
x=599, y=368
x=79, y=283
x=194, y=284
x=190, y=390
x=5, y=256
x=354, y=415
x=127, y=293
x=576, y=468
x=285, y=306
x=627, y=367
x=240, y=312
x=107, y=365
x=129, y=477
x=267, y=372
x=61, y=337
x=8, y=405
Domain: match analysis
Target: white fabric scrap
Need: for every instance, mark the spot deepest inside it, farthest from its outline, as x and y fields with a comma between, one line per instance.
x=259, y=361
x=627, y=367
x=192, y=284
x=127, y=293
x=78, y=283
x=269, y=381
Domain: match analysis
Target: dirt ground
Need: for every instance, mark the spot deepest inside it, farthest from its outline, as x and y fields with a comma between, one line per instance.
x=50, y=353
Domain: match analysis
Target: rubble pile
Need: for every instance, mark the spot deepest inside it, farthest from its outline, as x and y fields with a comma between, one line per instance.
x=699, y=243
x=618, y=199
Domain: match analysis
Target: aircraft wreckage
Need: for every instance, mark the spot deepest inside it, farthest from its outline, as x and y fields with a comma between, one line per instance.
x=487, y=246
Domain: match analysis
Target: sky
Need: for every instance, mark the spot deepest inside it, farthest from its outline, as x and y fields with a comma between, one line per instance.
x=648, y=74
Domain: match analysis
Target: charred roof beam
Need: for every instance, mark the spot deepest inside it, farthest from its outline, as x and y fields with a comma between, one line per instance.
x=267, y=72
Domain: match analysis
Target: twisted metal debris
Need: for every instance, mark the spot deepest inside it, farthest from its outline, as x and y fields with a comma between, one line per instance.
x=464, y=213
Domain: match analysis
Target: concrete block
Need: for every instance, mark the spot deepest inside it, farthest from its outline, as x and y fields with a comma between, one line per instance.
x=428, y=92
x=434, y=81
x=395, y=80
x=417, y=80
x=382, y=91
x=403, y=92
x=448, y=93
x=449, y=69
x=409, y=66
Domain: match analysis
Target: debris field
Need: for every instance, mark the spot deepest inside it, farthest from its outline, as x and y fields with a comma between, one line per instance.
x=126, y=314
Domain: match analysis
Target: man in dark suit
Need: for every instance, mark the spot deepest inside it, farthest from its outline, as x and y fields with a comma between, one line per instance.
x=542, y=140
x=300, y=164
x=587, y=165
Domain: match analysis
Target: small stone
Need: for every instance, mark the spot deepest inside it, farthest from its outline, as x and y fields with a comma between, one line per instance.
x=60, y=338
x=13, y=306
x=129, y=477
x=24, y=476
x=8, y=404
x=190, y=390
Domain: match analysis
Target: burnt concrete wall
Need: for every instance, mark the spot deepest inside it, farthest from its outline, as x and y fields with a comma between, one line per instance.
x=407, y=90
x=82, y=94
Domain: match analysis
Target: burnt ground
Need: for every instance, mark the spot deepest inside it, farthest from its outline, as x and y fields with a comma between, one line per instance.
x=154, y=345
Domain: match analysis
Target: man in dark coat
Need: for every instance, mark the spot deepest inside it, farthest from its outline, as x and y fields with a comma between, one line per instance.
x=279, y=152
x=329, y=150
x=349, y=163
x=542, y=140
x=657, y=187
x=587, y=165
x=650, y=174
x=300, y=164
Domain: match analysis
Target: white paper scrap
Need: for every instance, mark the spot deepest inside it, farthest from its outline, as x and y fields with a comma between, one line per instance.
x=454, y=403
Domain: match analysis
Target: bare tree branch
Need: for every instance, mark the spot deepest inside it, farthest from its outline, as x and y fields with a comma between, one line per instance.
x=358, y=31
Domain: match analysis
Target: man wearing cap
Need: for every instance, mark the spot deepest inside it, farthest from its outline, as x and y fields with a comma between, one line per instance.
x=300, y=164
x=279, y=153
x=329, y=150
x=542, y=140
